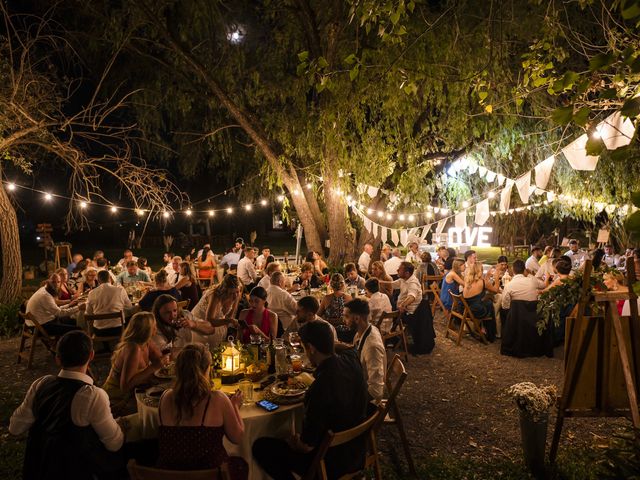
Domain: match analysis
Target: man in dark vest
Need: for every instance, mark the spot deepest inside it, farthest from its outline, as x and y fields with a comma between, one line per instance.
x=72, y=433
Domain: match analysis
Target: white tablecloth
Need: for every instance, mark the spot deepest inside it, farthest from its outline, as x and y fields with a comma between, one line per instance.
x=257, y=423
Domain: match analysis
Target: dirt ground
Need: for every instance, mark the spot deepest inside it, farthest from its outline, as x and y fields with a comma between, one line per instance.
x=453, y=402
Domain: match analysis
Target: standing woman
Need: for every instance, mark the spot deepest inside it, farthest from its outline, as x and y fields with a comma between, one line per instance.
x=194, y=419
x=378, y=271
x=133, y=363
x=474, y=291
x=222, y=305
x=257, y=319
x=332, y=304
x=188, y=284
x=206, y=264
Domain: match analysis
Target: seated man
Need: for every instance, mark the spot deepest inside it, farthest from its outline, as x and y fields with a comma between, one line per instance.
x=393, y=263
x=521, y=287
x=379, y=302
x=532, y=263
x=368, y=344
x=42, y=305
x=174, y=273
x=103, y=264
x=307, y=278
x=108, y=298
x=72, y=433
x=307, y=311
x=232, y=257
x=128, y=257
x=133, y=274
x=351, y=277
x=261, y=260
x=280, y=301
x=336, y=401
x=246, y=270
x=265, y=281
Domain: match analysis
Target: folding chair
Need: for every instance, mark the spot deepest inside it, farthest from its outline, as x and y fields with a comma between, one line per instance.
x=139, y=472
x=318, y=468
x=184, y=304
x=93, y=330
x=390, y=413
x=33, y=334
x=397, y=330
x=466, y=318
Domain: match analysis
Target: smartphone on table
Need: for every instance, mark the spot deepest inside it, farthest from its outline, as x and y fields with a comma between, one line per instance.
x=267, y=405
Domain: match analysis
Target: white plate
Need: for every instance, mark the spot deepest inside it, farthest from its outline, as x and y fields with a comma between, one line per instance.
x=280, y=389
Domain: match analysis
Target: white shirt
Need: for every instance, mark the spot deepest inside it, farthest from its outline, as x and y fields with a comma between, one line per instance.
x=545, y=270
x=373, y=359
x=261, y=261
x=521, y=288
x=265, y=282
x=576, y=258
x=412, y=257
x=114, y=279
x=200, y=309
x=123, y=261
x=363, y=262
x=532, y=264
x=281, y=303
x=410, y=287
x=378, y=303
x=107, y=298
x=90, y=406
x=611, y=260
x=391, y=265
x=173, y=277
x=43, y=307
x=246, y=271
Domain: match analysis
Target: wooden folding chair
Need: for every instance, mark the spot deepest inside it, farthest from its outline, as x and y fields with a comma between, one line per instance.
x=318, y=468
x=30, y=337
x=397, y=330
x=139, y=472
x=390, y=413
x=466, y=318
x=184, y=304
x=94, y=331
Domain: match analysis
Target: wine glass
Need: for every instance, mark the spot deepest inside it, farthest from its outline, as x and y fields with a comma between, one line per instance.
x=294, y=341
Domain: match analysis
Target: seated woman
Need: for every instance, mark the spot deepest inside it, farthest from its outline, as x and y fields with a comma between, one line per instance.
x=257, y=319
x=319, y=265
x=474, y=291
x=188, y=284
x=65, y=292
x=162, y=288
x=194, y=420
x=562, y=270
x=144, y=266
x=452, y=281
x=78, y=273
x=332, y=304
x=177, y=327
x=90, y=281
x=378, y=271
x=206, y=265
x=133, y=363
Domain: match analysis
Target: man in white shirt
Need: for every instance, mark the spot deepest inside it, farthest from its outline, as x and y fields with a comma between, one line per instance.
x=103, y=264
x=391, y=265
x=576, y=255
x=167, y=258
x=107, y=298
x=379, y=302
x=365, y=259
x=246, y=271
x=261, y=260
x=174, y=274
x=520, y=287
x=368, y=344
x=413, y=255
x=532, y=264
x=610, y=257
x=128, y=257
x=280, y=301
x=265, y=281
x=54, y=319
x=53, y=404
x=231, y=258
x=410, y=289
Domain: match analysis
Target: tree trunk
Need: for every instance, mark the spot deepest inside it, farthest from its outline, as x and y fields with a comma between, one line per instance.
x=11, y=281
x=341, y=233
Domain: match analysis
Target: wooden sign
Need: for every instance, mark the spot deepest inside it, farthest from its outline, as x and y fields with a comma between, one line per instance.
x=603, y=236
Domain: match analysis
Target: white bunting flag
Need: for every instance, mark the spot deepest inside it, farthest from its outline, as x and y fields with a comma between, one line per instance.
x=361, y=188
x=576, y=154
x=384, y=235
x=367, y=223
x=394, y=237
x=491, y=176
x=543, y=172
x=505, y=196
x=472, y=168
x=616, y=131
x=500, y=179
x=551, y=196
x=425, y=231
x=440, y=226
x=522, y=184
x=404, y=237
x=482, y=212
x=461, y=219
x=374, y=232
x=372, y=191
x=482, y=171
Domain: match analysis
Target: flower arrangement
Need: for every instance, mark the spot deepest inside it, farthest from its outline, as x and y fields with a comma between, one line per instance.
x=534, y=401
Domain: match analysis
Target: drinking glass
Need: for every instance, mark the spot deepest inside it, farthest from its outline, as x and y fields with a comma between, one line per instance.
x=296, y=363
x=246, y=388
x=294, y=341
x=281, y=356
x=216, y=379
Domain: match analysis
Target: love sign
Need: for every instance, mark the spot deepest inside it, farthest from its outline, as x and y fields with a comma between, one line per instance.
x=477, y=236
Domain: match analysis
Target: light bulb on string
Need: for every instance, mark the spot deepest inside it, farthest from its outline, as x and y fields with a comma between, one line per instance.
x=211, y=213
x=83, y=205
x=229, y=210
x=401, y=217
x=247, y=207
x=389, y=216
x=309, y=186
x=465, y=204
x=263, y=202
x=114, y=209
x=380, y=214
x=48, y=196
x=11, y=187
x=281, y=198
x=411, y=218
x=140, y=212
x=165, y=214
x=369, y=211
x=188, y=212
x=492, y=194
x=444, y=211
x=429, y=215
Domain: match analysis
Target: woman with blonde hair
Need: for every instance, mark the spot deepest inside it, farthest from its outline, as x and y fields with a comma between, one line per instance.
x=332, y=304
x=188, y=284
x=452, y=281
x=133, y=363
x=378, y=271
x=65, y=292
x=474, y=291
x=194, y=420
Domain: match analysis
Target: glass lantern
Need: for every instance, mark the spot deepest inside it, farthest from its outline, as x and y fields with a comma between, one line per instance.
x=230, y=359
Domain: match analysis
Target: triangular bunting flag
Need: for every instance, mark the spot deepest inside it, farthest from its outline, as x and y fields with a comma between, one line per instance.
x=461, y=219
x=404, y=237
x=394, y=237
x=500, y=179
x=482, y=171
x=522, y=183
x=491, y=176
x=440, y=226
x=543, y=172
x=505, y=196
x=482, y=212
x=576, y=154
x=367, y=224
x=472, y=168
x=372, y=191
x=384, y=237
x=616, y=131
x=425, y=231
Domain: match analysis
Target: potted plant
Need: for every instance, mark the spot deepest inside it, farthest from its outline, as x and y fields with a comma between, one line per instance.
x=534, y=403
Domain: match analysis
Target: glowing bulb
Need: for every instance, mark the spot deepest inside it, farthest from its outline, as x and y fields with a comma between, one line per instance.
x=83, y=204
x=349, y=198
x=140, y=212
x=411, y=218
x=296, y=192
x=48, y=196
x=114, y=209
x=165, y=214
x=369, y=211
x=492, y=194
x=429, y=215
x=309, y=186
x=465, y=204
x=389, y=216
x=436, y=210
x=229, y=210
x=263, y=202
x=444, y=211
x=188, y=212
x=401, y=217
x=11, y=186
x=597, y=133
x=247, y=207
x=281, y=198
x=211, y=213
x=380, y=214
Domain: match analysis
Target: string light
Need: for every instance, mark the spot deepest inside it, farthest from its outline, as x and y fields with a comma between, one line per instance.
x=247, y=207
x=492, y=194
x=140, y=212
x=211, y=213
x=229, y=210
x=401, y=217
x=188, y=212
x=380, y=214
x=411, y=218
x=11, y=186
x=389, y=216
x=83, y=205
x=369, y=211
x=309, y=186
x=444, y=211
x=114, y=209
x=48, y=196
x=165, y=214
x=281, y=198
x=465, y=204
x=263, y=202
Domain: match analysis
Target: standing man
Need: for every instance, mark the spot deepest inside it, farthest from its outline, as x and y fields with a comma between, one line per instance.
x=365, y=259
x=72, y=433
x=246, y=271
x=392, y=264
x=532, y=263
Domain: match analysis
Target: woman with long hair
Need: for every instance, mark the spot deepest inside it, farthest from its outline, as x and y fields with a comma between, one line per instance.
x=206, y=264
x=332, y=304
x=452, y=281
x=257, y=319
x=194, y=420
x=65, y=292
x=188, y=284
x=474, y=291
x=378, y=271
x=319, y=265
x=78, y=272
x=90, y=281
x=133, y=363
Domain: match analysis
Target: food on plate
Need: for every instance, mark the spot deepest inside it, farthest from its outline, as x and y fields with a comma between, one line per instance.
x=290, y=388
x=168, y=370
x=305, y=378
